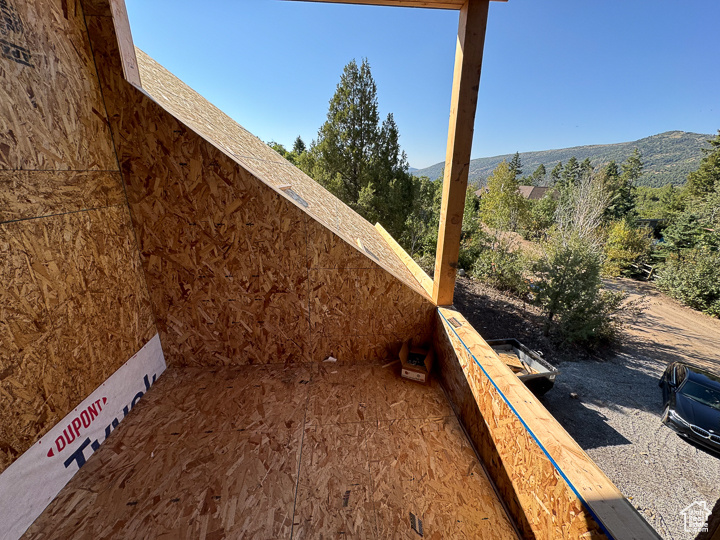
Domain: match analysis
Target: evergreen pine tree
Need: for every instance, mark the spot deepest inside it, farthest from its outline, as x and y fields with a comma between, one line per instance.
x=707, y=177
x=538, y=177
x=571, y=172
x=358, y=159
x=515, y=165
x=556, y=173
x=299, y=146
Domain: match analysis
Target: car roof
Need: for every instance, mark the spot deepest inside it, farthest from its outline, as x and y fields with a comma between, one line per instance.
x=703, y=377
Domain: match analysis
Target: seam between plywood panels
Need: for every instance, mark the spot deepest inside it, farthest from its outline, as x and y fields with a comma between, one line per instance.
x=489, y=478
x=300, y=452
x=45, y=216
x=117, y=160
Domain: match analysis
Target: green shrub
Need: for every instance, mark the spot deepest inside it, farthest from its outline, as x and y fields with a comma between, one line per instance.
x=625, y=246
x=693, y=278
x=471, y=248
x=569, y=291
x=540, y=218
x=501, y=267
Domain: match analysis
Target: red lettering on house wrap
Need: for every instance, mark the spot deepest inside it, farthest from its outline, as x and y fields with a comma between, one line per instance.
x=79, y=423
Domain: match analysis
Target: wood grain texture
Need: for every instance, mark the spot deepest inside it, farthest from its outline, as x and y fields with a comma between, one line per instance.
x=420, y=275
x=223, y=453
x=428, y=468
x=30, y=194
x=466, y=84
x=364, y=302
x=97, y=8
x=334, y=496
x=236, y=266
x=125, y=42
x=432, y=4
x=537, y=496
x=51, y=109
x=265, y=164
x=72, y=310
x=204, y=479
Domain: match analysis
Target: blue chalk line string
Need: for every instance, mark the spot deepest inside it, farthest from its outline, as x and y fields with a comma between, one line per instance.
x=527, y=428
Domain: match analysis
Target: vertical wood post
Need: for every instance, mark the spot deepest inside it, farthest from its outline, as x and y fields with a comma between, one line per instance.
x=466, y=82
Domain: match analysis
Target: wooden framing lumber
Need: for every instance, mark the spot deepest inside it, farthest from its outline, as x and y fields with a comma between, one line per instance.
x=425, y=282
x=466, y=81
x=125, y=42
x=552, y=488
x=434, y=4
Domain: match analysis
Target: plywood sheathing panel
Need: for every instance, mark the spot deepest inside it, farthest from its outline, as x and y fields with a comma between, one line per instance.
x=364, y=302
x=224, y=257
x=344, y=394
x=536, y=495
x=29, y=194
x=224, y=454
x=427, y=468
x=246, y=149
x=334, y=490
x=256, y=398
x=540, y=499
x=51, y=109
x=228, y=255
x=72, y=311
x=206, y=454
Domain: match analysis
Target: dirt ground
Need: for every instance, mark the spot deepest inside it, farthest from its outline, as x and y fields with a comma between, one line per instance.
x=616, y=418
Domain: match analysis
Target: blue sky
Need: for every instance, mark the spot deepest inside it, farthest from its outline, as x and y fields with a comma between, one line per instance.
x=556, y=73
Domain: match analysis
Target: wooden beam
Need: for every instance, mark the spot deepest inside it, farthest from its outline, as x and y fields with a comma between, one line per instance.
x=525, y=449
x=422, y=278
x=466, y=81
x=436, y=4
x=125, y=42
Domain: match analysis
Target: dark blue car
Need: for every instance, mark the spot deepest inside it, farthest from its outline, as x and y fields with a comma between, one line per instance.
x=691, y=398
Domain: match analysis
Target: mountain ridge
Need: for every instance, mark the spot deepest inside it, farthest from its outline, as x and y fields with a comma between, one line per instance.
x=668, y=158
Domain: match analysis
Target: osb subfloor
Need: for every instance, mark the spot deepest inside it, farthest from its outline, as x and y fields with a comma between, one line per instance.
x=282, y=452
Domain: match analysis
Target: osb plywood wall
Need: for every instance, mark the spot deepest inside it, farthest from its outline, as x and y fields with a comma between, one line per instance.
x=73, y=306
x=239, y=270
x=540, y=501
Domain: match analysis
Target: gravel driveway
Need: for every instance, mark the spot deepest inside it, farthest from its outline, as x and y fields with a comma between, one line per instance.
x=616, y=417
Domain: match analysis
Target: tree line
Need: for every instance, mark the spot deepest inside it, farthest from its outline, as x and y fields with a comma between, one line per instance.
x=589, y=224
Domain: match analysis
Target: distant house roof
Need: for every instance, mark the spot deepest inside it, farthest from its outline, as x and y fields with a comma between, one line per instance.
x=529, y=192
x=533, y=192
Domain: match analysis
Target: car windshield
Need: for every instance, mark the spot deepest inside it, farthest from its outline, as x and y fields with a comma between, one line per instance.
x=702, y=394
